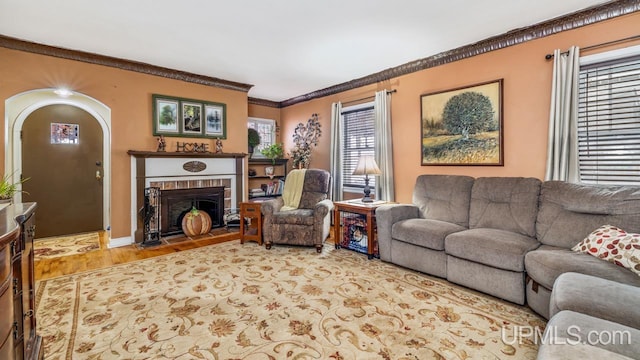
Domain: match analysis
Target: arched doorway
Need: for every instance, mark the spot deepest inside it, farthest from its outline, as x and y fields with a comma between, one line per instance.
x=19, y=107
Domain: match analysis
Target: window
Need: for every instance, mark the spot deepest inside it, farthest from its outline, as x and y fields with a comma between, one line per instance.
x=359, y=136
x=609, y=118
x=267, y=130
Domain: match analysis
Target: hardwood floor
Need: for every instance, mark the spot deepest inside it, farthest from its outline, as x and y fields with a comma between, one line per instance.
x=105, y=257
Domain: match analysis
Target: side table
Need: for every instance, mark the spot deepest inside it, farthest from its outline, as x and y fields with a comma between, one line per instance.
x=355, y=226
x=250, y=222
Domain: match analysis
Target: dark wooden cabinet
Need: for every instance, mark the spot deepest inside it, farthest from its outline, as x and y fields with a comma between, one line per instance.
x=18, y=338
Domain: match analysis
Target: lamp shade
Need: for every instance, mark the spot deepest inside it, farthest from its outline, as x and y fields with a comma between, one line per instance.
x=367, y=166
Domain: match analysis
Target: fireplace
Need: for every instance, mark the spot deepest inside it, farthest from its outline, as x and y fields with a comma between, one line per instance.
x=175, y=204
x=177, y=171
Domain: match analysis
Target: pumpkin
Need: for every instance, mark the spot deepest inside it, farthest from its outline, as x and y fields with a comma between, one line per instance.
x=196, y=222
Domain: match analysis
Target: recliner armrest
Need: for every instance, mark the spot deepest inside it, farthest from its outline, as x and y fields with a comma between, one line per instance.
x=386, y=216
x=271, y=206
x=323, y=207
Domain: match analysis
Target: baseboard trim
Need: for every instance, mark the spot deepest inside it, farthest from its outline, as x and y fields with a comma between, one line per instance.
x=118, y=242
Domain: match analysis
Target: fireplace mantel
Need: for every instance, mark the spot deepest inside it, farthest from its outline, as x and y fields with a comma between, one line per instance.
x=152, y=154
x=180, y=170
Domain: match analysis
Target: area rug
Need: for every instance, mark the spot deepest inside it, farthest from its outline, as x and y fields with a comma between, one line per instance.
x=233, y=301
x=52, y=247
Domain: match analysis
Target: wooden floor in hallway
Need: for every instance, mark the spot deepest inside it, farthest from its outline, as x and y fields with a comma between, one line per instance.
x=105, y=257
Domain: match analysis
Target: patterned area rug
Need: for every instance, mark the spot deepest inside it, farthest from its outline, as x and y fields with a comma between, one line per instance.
x=52, y=247
x=232, y=301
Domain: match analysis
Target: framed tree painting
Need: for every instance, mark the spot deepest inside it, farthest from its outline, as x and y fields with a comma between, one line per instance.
x=463, y=126
x=165, y=115
x=215, y=123
x=191, y=118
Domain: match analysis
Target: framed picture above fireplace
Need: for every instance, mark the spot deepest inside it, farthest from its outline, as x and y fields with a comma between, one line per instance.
x=175, y=116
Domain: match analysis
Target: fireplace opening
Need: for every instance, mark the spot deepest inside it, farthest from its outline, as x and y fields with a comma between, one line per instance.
x=175, y=204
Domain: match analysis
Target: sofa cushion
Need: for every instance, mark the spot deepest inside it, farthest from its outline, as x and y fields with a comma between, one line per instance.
x=294, y=217
x=424, y=232
x=506, y=203
x=444, y=197
x=614, y=245
x=577, y=329
x=546, y=263
x=315, y=188
x=561, y=350
x=597, y=297
x=497, y=248
x=569, y=212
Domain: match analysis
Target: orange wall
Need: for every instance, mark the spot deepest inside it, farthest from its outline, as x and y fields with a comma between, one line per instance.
x=128, y=94
x=527, y=84
x=526, y=104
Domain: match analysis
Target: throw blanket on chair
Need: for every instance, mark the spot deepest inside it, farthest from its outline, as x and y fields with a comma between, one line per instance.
x=293, y=189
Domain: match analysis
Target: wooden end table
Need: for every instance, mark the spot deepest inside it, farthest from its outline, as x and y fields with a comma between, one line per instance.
x=250, y=222
x=353, y=221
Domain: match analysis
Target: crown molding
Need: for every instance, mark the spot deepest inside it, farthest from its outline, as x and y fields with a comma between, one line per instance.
x=264, y=102
x=17, y=44
x=572, y=21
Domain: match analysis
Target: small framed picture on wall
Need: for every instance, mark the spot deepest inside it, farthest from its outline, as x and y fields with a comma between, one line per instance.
x=165, y=116
x=191, y=118
x=215, y=120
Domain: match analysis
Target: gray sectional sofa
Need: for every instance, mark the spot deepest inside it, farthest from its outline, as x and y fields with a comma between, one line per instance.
x=509, y=237
x=495, y=234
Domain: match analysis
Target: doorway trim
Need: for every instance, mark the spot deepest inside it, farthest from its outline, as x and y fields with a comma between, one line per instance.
x=20, y=106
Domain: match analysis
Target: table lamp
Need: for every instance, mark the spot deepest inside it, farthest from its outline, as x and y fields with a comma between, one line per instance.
x=367, y=166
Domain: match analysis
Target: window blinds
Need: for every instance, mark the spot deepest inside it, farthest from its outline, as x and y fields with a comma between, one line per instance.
x=359, y=135
x=609, y=122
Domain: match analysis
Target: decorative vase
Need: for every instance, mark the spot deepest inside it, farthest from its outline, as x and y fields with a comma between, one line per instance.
x=268, y=170
x=196, y=222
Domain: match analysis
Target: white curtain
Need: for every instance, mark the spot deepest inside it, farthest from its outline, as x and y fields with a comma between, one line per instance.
x=336, y=152
x=383, y=146
x=562, y=146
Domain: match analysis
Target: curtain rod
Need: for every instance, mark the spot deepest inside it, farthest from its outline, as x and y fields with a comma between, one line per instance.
x=586, y=48
x=369, y=97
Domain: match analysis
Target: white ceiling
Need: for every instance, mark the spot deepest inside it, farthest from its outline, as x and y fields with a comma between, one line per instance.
x=284, y=48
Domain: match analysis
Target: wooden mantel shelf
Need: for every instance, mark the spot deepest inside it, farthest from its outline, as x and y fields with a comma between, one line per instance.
x=150, y=154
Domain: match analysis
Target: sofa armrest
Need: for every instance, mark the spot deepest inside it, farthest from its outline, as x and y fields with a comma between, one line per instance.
x=386, y=216
x=597, y=297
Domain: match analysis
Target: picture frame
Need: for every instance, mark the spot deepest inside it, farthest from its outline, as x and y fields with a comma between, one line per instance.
x=165, y=115
x=182, y=117
x=215, y=120
x=463, y=126
x=191, y=118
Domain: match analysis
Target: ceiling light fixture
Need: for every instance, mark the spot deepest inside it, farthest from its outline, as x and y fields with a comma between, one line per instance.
x=63, y=92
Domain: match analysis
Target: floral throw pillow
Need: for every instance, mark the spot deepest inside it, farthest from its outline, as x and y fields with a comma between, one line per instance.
x=614, y=245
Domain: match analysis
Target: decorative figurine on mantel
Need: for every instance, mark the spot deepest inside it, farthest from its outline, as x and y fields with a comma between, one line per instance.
x=161, y=144
x=218, y=146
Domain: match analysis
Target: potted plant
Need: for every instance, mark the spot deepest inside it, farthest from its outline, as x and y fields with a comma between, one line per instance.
x=253, y=138
x=273, y=152
x=8, y=188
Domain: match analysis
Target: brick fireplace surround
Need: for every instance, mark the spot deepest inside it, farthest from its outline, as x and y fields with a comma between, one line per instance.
x=178, y=170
